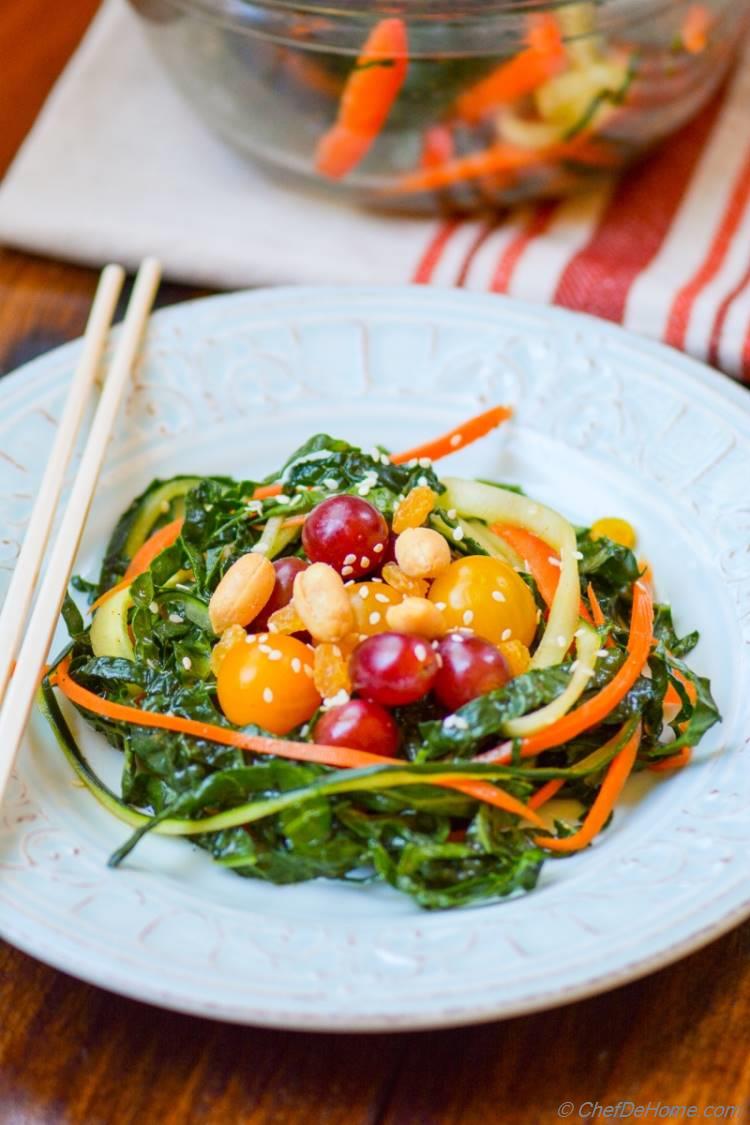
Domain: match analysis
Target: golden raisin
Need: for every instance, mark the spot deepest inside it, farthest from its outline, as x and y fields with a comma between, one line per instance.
x=330, y=671
x=394, y=576
x=286, y=620
x=414, y=508
x=229, y=638
x=517, y=656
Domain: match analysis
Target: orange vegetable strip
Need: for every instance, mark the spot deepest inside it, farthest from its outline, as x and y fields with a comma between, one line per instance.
x=616, y=776
x=266, y=491
x=674, y=762
x=338, y=757
x=596, y=609
x=695, y=28
x=366, y=100
x=458, y=438
x=497, y=159
x=596, y=709
x=546, y=792
x=142, y=559
x=294, y=521
x=537, y=555
x=542, y=59
x=153, y=546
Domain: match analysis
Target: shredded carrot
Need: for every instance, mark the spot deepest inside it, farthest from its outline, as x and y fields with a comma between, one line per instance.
x=369, y=92
x=295, y=521
x=543, y=58
x=458, y=438
x=142, y=559
x=153, y=546
x=438, y=146
x=542, y=560
x=597, y=708
x=546, y=792
x=674, y=762
x=616, y=776
x=501, y=159
x=596, y=609
x=695, y=28
x=266, y=491
x=339, y=757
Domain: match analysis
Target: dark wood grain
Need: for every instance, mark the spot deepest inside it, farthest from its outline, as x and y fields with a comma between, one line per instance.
x=73, y=1054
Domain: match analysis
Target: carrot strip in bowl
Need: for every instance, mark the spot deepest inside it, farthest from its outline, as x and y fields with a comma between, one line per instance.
x=543, y=58
x=617, y=774
x=338, y=757
x=370, y=91
x=458, y=438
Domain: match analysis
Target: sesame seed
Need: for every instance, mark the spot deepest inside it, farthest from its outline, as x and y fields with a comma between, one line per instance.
x=527, y=566
x=383, y=599
x=420, y=652
x=308, y=671
x=468, y=616
x=554, y=561
x=498, y=596
x=331, y=484
x=456, y=722
x=506, y=634
x=296, y=664
x=275, y=654
x=374, y=618
x=154, y=607
x=364, y=592
x=441, y=606
x=456, y=440
x=451, y=513
x=562, y=642
x=458, y=534
x=267, y=695
x=422, y=482
x=336, y=650
x=363, y=636
x=378, y=548
x=250, y=638
x=425, y=462
x=364, y=490
x=187, y=663
x=338, y=699
x=364, y=562
x=349, y=559
x=346, y=571
x=578, y=555
x=265, y=648
x=602, y=652
x=283, y=499
x=176, y=619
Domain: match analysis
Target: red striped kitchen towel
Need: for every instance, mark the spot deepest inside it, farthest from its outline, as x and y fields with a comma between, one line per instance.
x=665, y=252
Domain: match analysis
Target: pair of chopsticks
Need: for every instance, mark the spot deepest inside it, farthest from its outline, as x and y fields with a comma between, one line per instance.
x=26, y=640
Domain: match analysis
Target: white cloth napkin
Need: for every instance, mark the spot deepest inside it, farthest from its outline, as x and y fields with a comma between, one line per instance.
x=118, y=167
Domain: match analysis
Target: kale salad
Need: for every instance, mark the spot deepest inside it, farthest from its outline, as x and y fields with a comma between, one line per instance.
x=357, y=669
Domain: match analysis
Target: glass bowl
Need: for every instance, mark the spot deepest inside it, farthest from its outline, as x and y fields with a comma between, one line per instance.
x=427, y=105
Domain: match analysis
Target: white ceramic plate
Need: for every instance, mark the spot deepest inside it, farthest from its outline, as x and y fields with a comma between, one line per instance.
x=606, y=424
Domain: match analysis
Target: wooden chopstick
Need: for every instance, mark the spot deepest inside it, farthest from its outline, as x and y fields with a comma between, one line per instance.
x=28, y=565
x=41, y=626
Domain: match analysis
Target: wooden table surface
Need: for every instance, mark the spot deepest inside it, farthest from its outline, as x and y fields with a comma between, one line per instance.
x=71, y=1053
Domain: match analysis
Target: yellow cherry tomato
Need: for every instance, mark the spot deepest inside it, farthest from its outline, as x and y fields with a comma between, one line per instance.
x=370, y=602
x=268, y=680
x=619, y=531
x=486, y=595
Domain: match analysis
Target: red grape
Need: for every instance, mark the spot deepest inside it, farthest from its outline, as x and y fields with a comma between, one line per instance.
x=359, y=725
x=469, y=667
x=348, y=533
x=286, y=571
x=393, y=668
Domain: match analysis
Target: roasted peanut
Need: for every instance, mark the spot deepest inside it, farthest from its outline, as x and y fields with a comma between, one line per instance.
x=416, y=615
x=422, y=553
x=242, y=592
x=322, y=602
